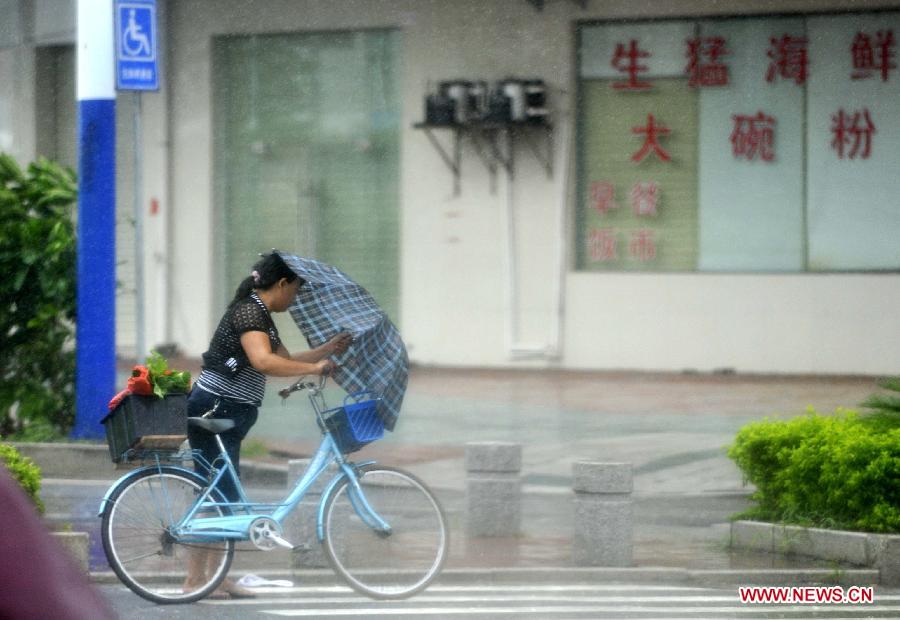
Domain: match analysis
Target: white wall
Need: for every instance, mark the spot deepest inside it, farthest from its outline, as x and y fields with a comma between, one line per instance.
x=752, y=323
x=17, y=105
x=16, y=83
x=454, y=285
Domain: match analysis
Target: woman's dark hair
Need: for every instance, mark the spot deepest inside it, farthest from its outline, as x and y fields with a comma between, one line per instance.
x=267, y=271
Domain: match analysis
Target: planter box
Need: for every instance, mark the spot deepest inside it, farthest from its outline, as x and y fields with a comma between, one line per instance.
x=76, y=545
x=137, y=416
x=881, y=551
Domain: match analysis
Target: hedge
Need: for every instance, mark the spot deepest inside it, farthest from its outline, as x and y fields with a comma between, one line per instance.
x=839, y=471
x=24, y=471
x=37, y=312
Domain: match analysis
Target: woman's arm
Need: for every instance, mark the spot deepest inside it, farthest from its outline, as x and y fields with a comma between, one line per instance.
x=335, y=346
x=259, y=351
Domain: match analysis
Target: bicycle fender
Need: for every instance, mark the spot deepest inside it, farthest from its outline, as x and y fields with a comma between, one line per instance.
x=320, y=516
x=130, y=475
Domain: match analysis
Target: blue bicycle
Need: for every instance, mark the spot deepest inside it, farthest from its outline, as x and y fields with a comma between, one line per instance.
x=381, y=528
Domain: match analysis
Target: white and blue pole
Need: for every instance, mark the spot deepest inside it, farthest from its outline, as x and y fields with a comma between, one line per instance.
x=95, y=354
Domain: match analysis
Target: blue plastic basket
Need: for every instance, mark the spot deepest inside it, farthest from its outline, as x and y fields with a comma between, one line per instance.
x=356, y=423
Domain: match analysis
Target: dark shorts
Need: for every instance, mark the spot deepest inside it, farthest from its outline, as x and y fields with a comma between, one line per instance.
x=244, y=416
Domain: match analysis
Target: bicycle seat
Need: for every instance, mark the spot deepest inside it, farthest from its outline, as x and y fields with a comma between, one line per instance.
x=211, y=425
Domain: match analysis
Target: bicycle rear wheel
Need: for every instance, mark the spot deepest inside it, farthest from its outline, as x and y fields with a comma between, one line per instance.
x=140, y=548
x=385, y=565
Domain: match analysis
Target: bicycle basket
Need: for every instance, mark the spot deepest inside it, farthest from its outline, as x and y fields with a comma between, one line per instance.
x=140, y=416
x=354, y=424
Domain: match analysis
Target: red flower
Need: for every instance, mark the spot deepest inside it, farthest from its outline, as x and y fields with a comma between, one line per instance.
x=139, y=383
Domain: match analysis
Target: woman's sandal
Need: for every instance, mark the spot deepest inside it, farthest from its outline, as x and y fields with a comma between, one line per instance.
x=218, y=595
x=236, y=591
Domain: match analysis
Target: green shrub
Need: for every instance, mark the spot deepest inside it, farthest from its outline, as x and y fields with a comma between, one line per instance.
x=25, y=472
x=884, y=406
x=828, y=471
x=37, y=314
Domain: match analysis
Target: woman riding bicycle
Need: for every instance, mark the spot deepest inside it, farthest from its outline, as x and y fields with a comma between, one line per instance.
x=244, y=349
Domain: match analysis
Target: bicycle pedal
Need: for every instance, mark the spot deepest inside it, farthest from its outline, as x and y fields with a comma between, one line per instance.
x=281, y=542
x=384, y=533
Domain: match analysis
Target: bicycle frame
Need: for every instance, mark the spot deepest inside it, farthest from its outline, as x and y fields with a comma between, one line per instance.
x=193, y=527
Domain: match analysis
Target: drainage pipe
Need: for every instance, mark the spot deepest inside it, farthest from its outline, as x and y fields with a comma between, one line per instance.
x=553, y=349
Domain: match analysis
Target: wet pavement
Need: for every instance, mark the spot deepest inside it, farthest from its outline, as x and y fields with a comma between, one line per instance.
x=673, y=428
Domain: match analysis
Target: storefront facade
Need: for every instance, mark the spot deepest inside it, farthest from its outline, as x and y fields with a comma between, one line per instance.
x=718, y=189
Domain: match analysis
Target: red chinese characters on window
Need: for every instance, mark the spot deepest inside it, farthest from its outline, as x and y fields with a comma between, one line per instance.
x=869, y=56
x=644, y=198
x=627, y=60
x=643, y=245
x=705, y=66
x=789, y=60
x=603, y=196
x=854, y=131
x=752, y=136
x=651, y=132
x=602, y=245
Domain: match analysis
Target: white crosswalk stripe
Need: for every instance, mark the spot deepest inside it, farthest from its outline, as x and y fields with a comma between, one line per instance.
x=547, y=601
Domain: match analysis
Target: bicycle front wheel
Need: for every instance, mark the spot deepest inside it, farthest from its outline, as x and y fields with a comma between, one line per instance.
x=385, y=563
x=141, y=549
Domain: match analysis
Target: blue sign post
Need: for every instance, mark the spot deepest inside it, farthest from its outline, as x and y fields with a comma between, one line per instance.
x=137, y=64
x=137, y=69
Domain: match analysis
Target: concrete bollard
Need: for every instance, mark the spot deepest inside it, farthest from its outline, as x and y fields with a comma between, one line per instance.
x=889, y=562
x=76, y=545
x=300, y=525
x=493, y=488
x=603, y=514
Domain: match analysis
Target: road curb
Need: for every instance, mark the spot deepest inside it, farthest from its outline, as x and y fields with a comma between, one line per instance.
x=92, y=461
x=587, y=576
x=70, y=460
x=684, y=576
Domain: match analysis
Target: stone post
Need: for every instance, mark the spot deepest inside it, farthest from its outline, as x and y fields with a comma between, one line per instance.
x=603, y=514
x=300, y=525
x=889, y=562
x=493, y=488
x=76, y=544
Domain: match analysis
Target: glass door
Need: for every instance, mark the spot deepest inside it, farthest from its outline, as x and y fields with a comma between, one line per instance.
x=307, y=155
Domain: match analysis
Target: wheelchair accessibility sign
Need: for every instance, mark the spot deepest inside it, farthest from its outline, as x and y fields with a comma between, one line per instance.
x=137, y=67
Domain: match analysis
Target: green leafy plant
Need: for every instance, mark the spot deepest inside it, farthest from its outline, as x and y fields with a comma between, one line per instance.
x=884, y=406
x=833, y=471
x=163, y=379
x=37, y=314
x=25, y=472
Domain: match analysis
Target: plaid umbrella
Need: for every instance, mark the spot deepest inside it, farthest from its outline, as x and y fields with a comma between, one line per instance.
x=330, y=303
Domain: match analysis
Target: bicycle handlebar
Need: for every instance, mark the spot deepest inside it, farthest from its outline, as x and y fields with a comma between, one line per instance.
x=300, y=384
